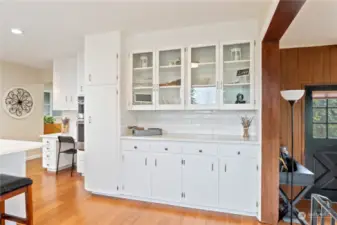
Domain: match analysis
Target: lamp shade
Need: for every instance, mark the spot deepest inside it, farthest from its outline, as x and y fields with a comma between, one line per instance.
x=292, y=95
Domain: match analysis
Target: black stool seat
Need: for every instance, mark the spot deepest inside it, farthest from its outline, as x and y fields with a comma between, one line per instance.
x=70, y=151
x=10, y=183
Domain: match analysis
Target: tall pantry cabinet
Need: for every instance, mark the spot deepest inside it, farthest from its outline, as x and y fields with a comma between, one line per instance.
x=101, y=61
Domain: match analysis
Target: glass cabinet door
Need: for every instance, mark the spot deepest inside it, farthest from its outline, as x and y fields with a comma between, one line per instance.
x=170, y=79
x=202, y=77
x=236, y=73
x=142, y=80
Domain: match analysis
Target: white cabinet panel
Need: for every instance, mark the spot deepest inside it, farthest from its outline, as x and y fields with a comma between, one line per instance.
x=101, y=139
x=200, y=180
x=136, y=174
x=166, y=177
x=65, y=84
x=80, y=74
x=238, y=184
x=101, y=56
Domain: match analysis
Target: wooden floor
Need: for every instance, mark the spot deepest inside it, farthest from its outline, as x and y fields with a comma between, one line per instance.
x=62, y=200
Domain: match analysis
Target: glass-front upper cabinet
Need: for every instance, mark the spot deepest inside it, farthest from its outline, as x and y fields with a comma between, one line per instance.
x=236, y=76
x=170, y=79
x=202, y=77
x=143, y=90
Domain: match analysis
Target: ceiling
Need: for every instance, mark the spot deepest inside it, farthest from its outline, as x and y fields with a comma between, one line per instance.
x=56, y=29
x=314, y=25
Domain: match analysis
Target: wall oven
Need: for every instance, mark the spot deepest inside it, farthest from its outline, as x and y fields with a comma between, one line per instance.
x=80, y=123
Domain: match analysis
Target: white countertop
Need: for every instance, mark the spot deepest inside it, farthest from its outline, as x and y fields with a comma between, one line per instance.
x=55, y=135
x=197, y=138
x=13, y=146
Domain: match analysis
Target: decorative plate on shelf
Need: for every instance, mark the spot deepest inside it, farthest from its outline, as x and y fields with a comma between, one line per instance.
x=18, y=103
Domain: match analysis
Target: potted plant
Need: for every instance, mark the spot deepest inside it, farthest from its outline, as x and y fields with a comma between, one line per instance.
x=50, y=126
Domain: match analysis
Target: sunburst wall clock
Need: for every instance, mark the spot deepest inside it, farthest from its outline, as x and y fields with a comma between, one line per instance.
x=18, y=103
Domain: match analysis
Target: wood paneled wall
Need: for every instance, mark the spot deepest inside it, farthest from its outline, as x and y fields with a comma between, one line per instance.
x=301, y=67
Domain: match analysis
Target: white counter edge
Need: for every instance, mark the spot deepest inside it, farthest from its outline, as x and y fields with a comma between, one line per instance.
x=14, y=146
x=190, y=139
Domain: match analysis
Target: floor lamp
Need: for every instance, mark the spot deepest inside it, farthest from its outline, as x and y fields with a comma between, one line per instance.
x=292, y=96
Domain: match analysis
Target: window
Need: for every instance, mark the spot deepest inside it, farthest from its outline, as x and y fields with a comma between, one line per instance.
x=48, y=106
x=324, y=109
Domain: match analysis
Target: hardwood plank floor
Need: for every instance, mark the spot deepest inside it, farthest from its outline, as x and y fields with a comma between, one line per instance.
x=62, y=200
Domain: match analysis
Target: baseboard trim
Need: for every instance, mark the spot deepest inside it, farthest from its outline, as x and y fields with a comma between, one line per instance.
x=31, y=157
x=175, y=204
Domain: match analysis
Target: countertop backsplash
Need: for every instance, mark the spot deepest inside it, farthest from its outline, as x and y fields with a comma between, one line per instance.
x=197, y=122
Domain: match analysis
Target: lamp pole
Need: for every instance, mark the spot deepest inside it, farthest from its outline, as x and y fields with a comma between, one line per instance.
x=292, y=104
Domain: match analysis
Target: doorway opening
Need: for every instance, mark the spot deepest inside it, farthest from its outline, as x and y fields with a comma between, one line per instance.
x=321, y=138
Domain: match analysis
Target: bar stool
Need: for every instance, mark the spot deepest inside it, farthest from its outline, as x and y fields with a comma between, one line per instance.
x=11, y=186
x=71, y=151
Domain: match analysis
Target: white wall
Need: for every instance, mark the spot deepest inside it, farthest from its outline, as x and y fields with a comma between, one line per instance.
x=31, y=127
x=216, y=122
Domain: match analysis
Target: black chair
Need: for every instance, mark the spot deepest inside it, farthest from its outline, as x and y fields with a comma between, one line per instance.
x=11, y=186
x=73, y=151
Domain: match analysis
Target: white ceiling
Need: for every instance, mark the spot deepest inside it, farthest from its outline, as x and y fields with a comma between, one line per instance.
x=315, y=24
x=53, y=30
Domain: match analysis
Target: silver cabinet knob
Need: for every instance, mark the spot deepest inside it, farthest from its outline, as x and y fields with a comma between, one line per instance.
x=239, y=152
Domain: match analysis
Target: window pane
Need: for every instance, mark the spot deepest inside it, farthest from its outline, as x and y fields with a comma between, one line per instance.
x=332, y=102
x=332, y=131
x=319, y=115
x=57, y=113
x=47, y=110
x=319, y=102
x=46, y=98
x=319, y=131
x=333, y=115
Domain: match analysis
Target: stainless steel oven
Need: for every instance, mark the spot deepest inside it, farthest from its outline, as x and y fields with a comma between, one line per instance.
x=80, y=123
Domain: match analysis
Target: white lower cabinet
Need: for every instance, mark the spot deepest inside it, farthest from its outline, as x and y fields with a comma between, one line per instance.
x=166, y=177
x=136, y=174
x=206, y=176
x=200, y=180
x=238, y=184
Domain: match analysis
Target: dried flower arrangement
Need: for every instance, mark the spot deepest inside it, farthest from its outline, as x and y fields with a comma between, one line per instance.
x=246, y=122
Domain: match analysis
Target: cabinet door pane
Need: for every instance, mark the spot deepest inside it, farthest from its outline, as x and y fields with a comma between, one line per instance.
x=166, y=177
x=170, y=75
x=238, y=184
x=142, y=78
x=136, y=174
x=236, y=74
x=200, y=180
x=203, y=75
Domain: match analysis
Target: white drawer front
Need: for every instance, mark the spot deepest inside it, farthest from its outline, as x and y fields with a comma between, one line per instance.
x=231, y=150
x=49, y=144
x=168, y=147
x=200, y=148
x=135, y=145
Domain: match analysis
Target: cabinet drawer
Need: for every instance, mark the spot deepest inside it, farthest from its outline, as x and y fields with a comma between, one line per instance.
x=135, y=145
x=49, y=144
x=200, y=148
x=166, y=147
x=238, y=150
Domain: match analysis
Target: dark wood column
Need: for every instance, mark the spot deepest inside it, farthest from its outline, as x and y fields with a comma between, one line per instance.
x=285, y=12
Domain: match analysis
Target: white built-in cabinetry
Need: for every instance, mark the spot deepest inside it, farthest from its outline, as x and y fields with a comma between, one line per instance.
x=102, y=158
x=102, y=59
x=80, y=74
x=65, y=84
x=216, y=77
x=220, y=177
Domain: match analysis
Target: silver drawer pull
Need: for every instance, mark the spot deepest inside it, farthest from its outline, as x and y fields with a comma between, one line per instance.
x=135, y=147
x=212, y=167
x=225, y=168
x=200, y=150
x=239, y=152
x=166, y=149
